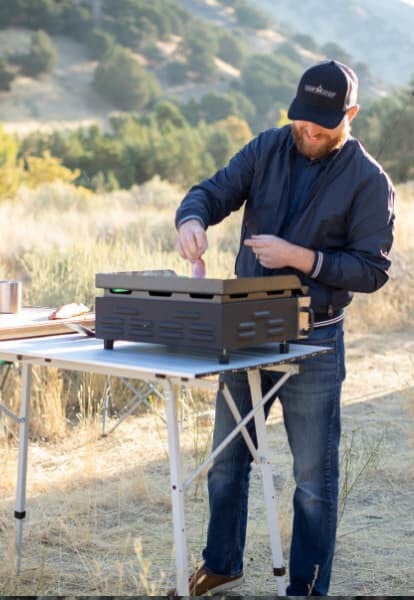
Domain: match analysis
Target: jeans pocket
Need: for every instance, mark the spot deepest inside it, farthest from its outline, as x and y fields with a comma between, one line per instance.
x=331, y=337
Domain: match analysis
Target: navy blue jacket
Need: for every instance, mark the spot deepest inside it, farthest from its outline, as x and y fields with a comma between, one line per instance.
x=347, y=217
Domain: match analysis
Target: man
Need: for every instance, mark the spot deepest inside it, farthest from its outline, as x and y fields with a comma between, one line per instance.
x=316, y=204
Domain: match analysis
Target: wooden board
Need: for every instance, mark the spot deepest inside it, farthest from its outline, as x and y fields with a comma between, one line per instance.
x=34, y=322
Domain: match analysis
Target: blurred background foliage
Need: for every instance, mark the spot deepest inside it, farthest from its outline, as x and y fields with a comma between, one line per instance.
x=157, y=132
x=96, y=198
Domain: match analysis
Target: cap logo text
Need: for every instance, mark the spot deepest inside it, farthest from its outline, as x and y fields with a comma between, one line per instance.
x=313, y=89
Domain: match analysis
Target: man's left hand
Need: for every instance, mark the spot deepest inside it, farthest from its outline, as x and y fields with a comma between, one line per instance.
x=274, y=252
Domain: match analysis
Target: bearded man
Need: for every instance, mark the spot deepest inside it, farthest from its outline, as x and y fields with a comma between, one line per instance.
x=316, y=205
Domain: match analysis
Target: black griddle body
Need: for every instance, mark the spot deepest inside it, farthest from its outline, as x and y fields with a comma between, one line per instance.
x=217, y=315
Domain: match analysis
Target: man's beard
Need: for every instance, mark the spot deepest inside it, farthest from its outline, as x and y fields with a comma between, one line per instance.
x=324, y=146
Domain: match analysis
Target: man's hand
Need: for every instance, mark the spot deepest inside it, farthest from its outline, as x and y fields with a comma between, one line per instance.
x=192, y=240
x=273, y=252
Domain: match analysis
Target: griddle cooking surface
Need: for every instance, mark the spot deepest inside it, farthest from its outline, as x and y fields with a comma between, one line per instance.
x=170, y=282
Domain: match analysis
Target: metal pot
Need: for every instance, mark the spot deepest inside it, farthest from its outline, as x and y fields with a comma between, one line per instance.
x=10, y=296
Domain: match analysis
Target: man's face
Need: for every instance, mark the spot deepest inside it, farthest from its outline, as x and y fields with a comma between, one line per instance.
x=314, y=141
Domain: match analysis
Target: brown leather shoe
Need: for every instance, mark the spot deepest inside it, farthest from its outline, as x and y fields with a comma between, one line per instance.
x=203, y=583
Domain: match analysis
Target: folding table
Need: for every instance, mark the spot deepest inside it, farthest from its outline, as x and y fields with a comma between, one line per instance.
x=172, y=370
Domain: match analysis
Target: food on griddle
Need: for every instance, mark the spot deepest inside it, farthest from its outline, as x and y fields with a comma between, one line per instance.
x=67, y=311
x=199, y=268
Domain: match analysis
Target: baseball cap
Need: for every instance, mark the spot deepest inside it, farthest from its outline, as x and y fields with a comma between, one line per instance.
x=324, y=94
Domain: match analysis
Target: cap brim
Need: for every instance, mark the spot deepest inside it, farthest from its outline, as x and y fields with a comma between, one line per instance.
x=324, y=118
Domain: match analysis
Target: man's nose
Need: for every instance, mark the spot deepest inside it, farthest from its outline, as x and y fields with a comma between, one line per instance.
x=312, y=128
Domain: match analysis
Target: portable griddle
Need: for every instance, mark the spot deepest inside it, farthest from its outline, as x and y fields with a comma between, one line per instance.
x=215, y=314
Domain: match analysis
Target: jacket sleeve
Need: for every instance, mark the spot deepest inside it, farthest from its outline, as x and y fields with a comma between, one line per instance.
x=215, y=198
x=362, y=264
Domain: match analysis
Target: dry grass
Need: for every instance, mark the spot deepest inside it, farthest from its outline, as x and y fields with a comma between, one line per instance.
x=390, y=308
x=99, y=514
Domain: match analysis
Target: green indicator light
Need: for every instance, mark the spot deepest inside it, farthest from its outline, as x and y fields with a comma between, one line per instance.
x=120, y=291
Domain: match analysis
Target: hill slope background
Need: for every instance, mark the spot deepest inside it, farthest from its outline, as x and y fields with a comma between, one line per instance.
x=66, y=97
x=377, y=32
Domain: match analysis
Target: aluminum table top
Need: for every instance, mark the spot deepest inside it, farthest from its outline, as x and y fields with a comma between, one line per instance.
x=77, y=352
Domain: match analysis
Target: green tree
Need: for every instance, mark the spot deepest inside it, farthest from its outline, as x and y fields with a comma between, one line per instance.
x=200, y=48
x=169, y=116
x=219, y=146
x=244, y=107
x=135, y=23
x=268, y=80
x=6, y=76
x=176, y=71
x=10, y=10
x=191, y=111
x=124, y=82
x=74, y=20
x=42, y=57
x=386, y=128
x=232, y=49
x=306, y=41
x=54, y=16
x=201, y=63
x=100, y=44
x=217, y=106
x=290, y=51
x=10, y=170
x=249, y=16
x=336, y=52
x=8, y=149
x=238, y=130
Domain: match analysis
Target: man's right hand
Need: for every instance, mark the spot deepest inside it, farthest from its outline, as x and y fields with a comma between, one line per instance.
x=192, y=240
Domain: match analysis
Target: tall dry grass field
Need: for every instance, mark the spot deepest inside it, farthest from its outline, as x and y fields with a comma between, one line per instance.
x=99, y=513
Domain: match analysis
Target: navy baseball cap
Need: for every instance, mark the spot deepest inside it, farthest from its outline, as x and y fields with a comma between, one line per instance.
x=324, y=94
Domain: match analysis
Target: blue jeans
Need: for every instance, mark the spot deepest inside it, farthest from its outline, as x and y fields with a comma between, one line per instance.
x=311, y=412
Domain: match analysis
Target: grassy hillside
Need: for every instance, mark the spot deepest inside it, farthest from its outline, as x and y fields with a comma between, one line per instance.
x=66, y=98
x=377, y=32
x=206, y=58
x=62, y=99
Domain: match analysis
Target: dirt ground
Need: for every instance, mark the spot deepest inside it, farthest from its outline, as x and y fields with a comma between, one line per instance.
x=99, y=511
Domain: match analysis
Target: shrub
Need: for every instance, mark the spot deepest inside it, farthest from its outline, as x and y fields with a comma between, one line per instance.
x=6, y=76
x=176, y=72
x=10, y=171
x=100, y=44
x=201, y=63
x=217, y=106
x=248, y=16
x=124, y=82
x=231, y=49
x=306, y=41
x=42, y=56
x=334, y=51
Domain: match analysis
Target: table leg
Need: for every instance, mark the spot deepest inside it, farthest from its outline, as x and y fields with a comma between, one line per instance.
x=268, y=487
x=177, y=491
x=20, y=511
x=107, y=395
x=4, y=370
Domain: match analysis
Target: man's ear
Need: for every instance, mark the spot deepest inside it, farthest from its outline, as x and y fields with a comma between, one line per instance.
x=352, y=112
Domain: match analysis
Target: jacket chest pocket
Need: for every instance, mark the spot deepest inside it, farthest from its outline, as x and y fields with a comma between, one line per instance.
x=310, y=229
x=266, y=217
